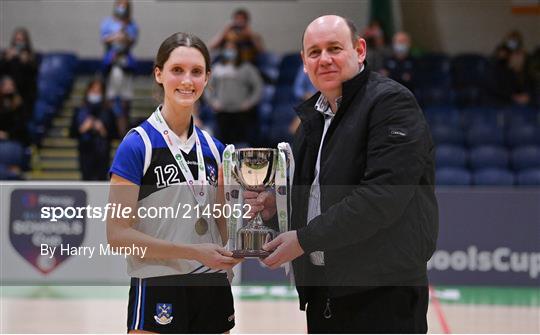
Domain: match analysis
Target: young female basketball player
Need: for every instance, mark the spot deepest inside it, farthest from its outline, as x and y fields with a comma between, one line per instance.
x=180, y=285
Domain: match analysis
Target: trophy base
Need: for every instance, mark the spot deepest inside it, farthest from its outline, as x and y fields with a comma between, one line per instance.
x=250, y=253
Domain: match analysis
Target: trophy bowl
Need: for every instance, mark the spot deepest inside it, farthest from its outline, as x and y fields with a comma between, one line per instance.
x=254, y=169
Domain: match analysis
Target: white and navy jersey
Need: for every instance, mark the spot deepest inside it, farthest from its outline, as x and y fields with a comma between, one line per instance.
x=144, y=158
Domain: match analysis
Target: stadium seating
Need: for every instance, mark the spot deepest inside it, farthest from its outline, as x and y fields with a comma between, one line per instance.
x=493, y=177
x=483, y=134
x=453, y=177
x=520, y=135
x=453, y=156
x=489, y=156
x=444, y=134
x=530, y=177
x=526, y=157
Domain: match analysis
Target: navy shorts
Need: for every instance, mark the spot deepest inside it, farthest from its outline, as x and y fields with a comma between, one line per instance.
x=193, y=303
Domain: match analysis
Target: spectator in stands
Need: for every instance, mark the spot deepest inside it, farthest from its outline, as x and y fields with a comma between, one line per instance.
x=400, y=65
x=235, y=89
x=239, y=31
x=510, y=82
x=12, y=112
x=119, y=34
x=377, y=50
x=21, y=64
x=93, y=125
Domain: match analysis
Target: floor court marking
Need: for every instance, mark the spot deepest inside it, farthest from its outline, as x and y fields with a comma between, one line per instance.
x=438, y=310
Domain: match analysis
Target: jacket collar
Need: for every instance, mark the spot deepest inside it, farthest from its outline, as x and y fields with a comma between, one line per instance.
x=306, y=110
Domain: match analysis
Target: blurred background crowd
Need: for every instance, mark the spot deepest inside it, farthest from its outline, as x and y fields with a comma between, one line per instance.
x=483, y=108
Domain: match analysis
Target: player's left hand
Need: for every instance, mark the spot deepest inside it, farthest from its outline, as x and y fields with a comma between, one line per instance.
x=285, y=248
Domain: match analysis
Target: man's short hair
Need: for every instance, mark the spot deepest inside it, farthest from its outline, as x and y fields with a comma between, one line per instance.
x=352, y=28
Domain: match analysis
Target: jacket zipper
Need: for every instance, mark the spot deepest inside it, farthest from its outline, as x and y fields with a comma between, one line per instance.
x=327, y=311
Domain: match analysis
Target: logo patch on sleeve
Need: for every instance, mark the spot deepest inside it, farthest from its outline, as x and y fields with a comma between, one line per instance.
x=397, y=132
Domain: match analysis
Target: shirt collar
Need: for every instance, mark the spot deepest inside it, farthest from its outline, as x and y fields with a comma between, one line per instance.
x=323, y=105
x=186, y=146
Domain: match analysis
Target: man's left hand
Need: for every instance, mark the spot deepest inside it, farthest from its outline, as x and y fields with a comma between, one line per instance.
x=285, y=248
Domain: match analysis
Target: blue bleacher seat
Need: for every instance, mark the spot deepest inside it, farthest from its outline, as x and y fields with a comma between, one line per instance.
x=485, y=135
x=519, y=116
x=453, y=177
x=12, y=154
x=432, y=80
x=526, y=157
x=443, y=134
x=493, y=177
x=268, y=65
x=89, y=66
x=473, y=116
x=144, y=67
x=468, y=72
x=444, y=115
x=489, y=156
x=448, y=155
x=7, y=174
x=288, y=68
x=519, y=135
x=529, y=177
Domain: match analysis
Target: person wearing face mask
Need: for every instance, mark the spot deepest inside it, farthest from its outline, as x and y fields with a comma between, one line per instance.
x=119, y=34
x=93, y=125
x=12, y=109
x=510, y=80
x=400, y=65
x=234, y=91
x=21, y=64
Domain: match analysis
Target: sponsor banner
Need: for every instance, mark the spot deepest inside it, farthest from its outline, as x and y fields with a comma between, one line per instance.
x=38, y=248
x=487, y=237
x=28, y=232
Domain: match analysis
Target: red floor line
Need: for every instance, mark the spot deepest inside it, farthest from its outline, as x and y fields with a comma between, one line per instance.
x=439, y=311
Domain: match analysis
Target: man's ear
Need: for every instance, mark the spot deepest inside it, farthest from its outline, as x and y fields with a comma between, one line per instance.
x=361, y=50
x=157, y=75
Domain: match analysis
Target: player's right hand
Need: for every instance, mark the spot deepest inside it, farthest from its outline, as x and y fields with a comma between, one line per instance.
x=215, y=256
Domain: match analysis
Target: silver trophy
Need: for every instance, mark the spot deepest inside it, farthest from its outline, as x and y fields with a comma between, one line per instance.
x=254, y=169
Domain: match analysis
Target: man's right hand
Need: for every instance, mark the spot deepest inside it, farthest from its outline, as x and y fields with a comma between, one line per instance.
x=263, y=202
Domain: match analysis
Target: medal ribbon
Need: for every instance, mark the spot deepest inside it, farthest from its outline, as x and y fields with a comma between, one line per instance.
x=231, y=186
x=174, y=144
x=284, y=174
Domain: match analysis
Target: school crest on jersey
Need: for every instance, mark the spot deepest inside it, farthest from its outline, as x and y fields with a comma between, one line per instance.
x=163, y=314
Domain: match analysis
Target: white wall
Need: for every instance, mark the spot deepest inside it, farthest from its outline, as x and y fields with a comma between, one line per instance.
x=74, y=25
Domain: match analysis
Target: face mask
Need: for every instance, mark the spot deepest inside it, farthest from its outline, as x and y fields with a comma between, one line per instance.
x=401, y=48
x=20, y=46
x=229, y=54
x=120, y=11
x=94, y=98
x=512, y=44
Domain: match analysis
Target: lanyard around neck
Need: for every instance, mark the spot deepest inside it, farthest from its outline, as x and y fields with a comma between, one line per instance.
x=174, y=144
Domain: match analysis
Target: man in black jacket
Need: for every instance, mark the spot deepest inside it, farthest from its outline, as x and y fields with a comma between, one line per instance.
x=364, y=213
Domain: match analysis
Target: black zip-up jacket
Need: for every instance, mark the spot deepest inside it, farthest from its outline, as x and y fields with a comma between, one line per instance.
x=379, y=220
